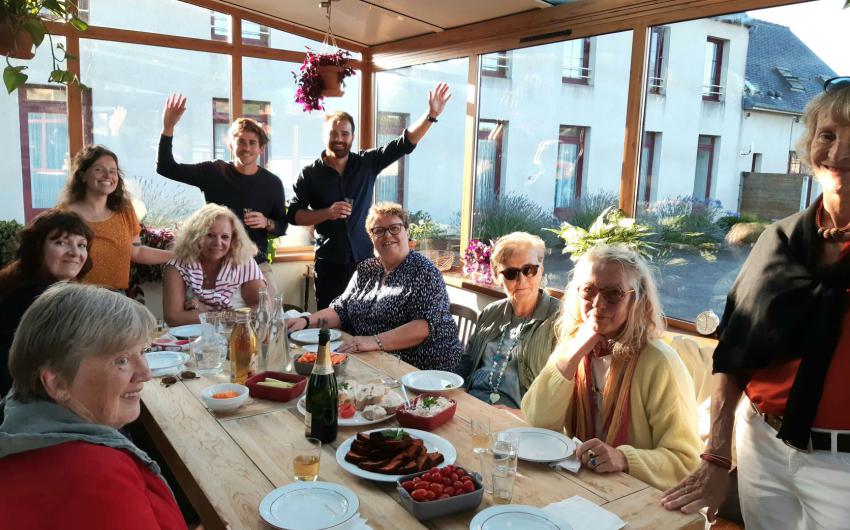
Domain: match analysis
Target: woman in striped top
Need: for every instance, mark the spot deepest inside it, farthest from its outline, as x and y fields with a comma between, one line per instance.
x=213, y=267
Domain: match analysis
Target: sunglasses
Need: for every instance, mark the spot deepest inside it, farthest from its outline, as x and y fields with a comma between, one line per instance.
x=527, y=270
x=612, y=295
x=169, y=380
x=835, y=83
x=380, y=231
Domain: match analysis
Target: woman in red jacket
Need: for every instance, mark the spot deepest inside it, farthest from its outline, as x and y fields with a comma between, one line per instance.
x=78, y=372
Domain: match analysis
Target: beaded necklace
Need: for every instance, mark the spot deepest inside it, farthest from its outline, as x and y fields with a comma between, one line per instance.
x=508, y=355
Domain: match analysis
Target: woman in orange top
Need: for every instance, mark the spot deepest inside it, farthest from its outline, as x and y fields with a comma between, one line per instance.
x=95, y=190
x=785, y=342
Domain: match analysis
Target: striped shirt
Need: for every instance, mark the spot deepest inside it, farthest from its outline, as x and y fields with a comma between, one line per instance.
x=224, y=295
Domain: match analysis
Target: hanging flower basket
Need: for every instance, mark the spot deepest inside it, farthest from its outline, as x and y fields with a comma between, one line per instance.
x=321, y=75
x=17, y=45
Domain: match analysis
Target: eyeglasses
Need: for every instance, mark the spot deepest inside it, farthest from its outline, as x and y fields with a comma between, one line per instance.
x=527, y=270
x=612, y=295
x=380, y=231
x=171, y=379
x=835, y=83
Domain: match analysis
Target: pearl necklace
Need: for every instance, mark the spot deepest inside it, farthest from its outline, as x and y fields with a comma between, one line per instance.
x=508, y=355
x=829, y=234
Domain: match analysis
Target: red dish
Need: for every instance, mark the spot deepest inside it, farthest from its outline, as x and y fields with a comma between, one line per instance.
x=412, y=421
x=276, y=394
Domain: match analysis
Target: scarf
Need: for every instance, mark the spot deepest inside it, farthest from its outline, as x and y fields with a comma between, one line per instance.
x=41, y=424
x=615, y=400
x=785, y=305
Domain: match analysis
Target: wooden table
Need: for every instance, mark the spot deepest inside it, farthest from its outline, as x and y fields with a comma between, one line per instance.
x=227, y=462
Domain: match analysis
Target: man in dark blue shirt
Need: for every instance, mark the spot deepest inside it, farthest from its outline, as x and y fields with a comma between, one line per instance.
x=335, y=192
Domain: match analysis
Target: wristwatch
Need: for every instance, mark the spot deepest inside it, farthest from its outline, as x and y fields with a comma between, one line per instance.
x=432, y=119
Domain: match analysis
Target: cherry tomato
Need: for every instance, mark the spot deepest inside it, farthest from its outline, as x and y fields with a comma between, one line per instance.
x=449, y=491
x=420, y=495
x=450, y=468
x=409, y=485
x=436, y=488
x=454, y=477
x=457, y=485
x=445, y=472
x=444, y=496
x=460, y=472
x=468, y=486
x=435, y=476
x=416, y=479
x=431, y=495
x=445, y=481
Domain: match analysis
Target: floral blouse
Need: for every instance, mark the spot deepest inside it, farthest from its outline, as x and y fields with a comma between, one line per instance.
x=413, y=291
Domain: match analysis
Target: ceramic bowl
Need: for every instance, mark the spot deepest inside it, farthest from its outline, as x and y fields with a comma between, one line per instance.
x=306, y=369
x=219, y=405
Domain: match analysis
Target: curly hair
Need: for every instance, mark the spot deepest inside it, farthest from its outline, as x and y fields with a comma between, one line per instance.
x=387, y=208
x=645, y=320
x=187, y=248
x=834, y=103
x=75, y=187
x=29, y=265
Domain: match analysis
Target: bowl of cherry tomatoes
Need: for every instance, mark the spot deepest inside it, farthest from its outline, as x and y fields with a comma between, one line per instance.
x=440, y=491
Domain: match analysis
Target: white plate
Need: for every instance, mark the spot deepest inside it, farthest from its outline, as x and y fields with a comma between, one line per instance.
x=162, y=360
x=514, y=517
x=542, y=445
x=432, y=443
x=355, y=421
x=315, y=347
x=309, y=506
x=432, y=381
x=190, y=331
x=311, y=336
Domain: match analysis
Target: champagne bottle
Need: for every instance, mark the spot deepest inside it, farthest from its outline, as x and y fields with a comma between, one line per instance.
x=321, y=418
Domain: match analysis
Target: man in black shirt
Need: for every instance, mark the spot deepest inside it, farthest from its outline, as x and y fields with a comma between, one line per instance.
x=253, y=193
x=335, y=192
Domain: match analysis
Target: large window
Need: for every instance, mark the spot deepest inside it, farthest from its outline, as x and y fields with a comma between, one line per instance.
x=390, y=183
x=491, y=148
x=576, y=61
x=705, y=166
x=571, y=145
x=712, y=88
x=170, y=17
x=657, y=60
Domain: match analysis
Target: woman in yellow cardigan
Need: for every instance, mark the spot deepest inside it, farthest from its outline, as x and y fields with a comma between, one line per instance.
x=611, y=381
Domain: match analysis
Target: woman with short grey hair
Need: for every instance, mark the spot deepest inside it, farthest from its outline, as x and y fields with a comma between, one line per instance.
x=78, y=372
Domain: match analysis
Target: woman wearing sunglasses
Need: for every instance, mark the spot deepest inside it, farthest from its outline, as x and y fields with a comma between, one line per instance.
x=395, y=302
x=514, y=336
x=611, y=381
x=785, y=342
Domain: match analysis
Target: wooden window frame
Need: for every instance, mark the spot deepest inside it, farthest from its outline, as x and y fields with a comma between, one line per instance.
x=581, y=142
x=585, y=66
x=717, y=72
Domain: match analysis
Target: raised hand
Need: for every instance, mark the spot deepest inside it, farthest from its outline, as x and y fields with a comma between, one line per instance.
x=175, y=106
x=438, y=98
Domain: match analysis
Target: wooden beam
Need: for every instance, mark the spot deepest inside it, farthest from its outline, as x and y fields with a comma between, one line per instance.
x=470, y=133
x=634, y=121
x=236, y=69
x=367, y=104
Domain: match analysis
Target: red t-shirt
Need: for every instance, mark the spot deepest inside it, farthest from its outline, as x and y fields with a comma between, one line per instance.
x=82, y=486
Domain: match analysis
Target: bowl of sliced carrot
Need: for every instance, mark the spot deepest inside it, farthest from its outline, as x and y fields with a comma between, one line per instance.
x=224, y=396
x=304, y=363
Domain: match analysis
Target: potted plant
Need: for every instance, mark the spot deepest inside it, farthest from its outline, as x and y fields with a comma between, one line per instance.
x=321, y=75
x=612, y=227
x=23, y=28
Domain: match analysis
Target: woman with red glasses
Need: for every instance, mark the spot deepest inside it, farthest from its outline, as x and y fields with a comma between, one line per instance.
x=611, y=381
x=514, y=336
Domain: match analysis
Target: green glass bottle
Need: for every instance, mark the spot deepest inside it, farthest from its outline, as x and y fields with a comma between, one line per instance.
x=321, y=418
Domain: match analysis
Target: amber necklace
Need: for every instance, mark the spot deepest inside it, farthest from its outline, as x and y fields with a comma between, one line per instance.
x=830, y=234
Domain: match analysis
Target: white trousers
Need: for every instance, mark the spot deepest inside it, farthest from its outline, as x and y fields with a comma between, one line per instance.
x=781, y=487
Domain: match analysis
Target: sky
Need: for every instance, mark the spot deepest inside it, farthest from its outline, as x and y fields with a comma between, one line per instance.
x=822, y=25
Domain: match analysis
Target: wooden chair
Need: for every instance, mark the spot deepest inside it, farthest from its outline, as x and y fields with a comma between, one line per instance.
x=467, y=320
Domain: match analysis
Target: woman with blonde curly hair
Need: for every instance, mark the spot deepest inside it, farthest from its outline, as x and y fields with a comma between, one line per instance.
x=611, y=381
x=213, y=267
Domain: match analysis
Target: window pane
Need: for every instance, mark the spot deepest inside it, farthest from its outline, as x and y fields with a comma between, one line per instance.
x=286, y=41
x=431, y=181
x=546, y=153
x=723, y=141
x=130, y=84
x=161, y=16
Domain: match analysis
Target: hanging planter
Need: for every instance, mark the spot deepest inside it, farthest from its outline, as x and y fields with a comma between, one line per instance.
x=15, y=45
x=332, y=85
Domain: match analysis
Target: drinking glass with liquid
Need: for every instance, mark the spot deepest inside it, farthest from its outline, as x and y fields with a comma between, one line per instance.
x=503, y=479
x=481, y=438
x=306, y=457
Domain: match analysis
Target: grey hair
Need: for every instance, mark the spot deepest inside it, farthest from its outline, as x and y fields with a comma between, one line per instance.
x=66, y=324
x=510, y=243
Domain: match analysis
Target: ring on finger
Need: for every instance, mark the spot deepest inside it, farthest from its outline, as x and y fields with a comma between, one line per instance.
x=593, y=462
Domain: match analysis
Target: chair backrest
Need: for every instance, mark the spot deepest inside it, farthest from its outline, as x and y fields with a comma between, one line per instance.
x=467, y=319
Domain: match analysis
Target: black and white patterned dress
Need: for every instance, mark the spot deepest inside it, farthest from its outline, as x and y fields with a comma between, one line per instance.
x=415, y=290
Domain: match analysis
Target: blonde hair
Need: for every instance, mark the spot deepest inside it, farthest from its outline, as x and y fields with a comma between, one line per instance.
x=836, y=104
x=68, y=323
x=382, y=209
x=513, y=242
x=187, y=248
x=645, y=320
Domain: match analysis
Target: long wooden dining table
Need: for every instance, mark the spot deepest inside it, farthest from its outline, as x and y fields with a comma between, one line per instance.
x=227, y=462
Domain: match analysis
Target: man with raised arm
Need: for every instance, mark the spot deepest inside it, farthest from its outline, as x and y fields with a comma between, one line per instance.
x=335, y=192
x=253, y=193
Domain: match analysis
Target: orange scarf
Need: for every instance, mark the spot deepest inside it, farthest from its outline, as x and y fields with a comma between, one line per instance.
x=615, y=401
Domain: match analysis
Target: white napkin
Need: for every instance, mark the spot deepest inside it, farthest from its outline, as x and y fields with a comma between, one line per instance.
x=356, y=523
x=571, y=463
x=291, y=313
x=581, y=514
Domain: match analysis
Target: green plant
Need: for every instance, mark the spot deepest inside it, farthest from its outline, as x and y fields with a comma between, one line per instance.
x=497, y=216
x=590, y=206
x=612, y=227
x=166, y=205
x=728, y=221
x=309, y=82
x=29, y=16
x=10, y=238
x=687, y=221
x=427, y=229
